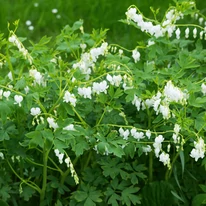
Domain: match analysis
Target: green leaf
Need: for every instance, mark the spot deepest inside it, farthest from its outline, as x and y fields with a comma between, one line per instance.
x=4, y=135
x=118, y=93
x=80, y=196
x=88, y=194
x=4, y=111
x=4, y=192
x=89, y=202
x=80, y=146
x=199, y=200
x=3, y=203
x=197, y=102
x=36, y=138
x=182, y=158
x=113, y=200
x=129, y=196
x=58, y=203
x=130, y=150
x=203, y=187
x=27, y=193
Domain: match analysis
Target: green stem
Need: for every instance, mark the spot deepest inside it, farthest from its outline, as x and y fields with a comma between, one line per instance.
x=88, y=159
x=44, y=182
x=10, y=64
x=151, y=153
x=79, y=116
x=41, y=165
x=31, y=184
x=150, y=167
x=169, y=171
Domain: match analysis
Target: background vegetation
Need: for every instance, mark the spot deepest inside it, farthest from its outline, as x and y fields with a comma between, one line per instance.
x=95, y=13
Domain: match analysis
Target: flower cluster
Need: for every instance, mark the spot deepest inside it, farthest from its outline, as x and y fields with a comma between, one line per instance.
x=134, y=133
x=73, y=172
x=161, y=101
x=166, y=27
x=52, y=123
x=199, y=150
x=38, y=77
x=68, y=97
x=59, y=155
x=88, y=59
x=114, y=80
x=68, y=163
x=13, y=39
x=159, y=30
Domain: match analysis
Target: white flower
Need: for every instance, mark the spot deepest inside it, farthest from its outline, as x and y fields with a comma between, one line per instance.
x=115, y=80
x=38, y=78
x=59, y=155
x=85, y=92
x=148, y=134
x=68, y=97
x=18, y=99
x=67, y=161
x=165, y=111
x=56, y=151
x=201, y=20
x=124, y=134
x=137, y=102
x=31, y=28
x=177, y=32
x=187, y=31
x=100, y=87
x=12, y=39
x=164, y=157
x=10, y=76
x=158, y=144
x=203, y=87
x=131, y=13
x=1, y=155
x=35, y=111
x=69, y=127
x=177, y=128
x=120, y=52
x=83, y=46
x=173, y=93
x=199, y=150
x=146, y=149
x=52, y=123
x=201, y=34
x=7, y=94
x=28, y=22
x=150, y=43
x=137, y=135
x=136, y=56
x=195, y=32
x=54, y=11
x=26, y=89
x=159, y=139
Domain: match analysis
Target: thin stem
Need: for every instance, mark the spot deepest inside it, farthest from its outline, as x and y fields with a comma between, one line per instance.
x=150, y=167
x=41, y=165
x=31, y=184
x=169, y=171
x=50, y=159
x=79, y=116
x=44, y=182
x=10, y=64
